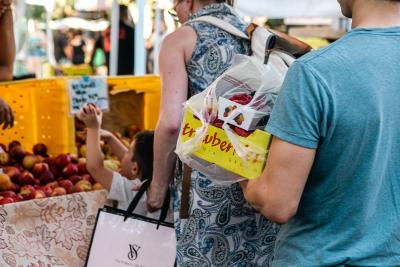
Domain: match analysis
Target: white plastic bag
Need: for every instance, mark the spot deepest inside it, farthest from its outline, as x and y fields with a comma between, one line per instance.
x=248, y=82
x=245, y=76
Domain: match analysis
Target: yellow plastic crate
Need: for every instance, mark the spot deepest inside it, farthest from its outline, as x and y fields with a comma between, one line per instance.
x=41, y=109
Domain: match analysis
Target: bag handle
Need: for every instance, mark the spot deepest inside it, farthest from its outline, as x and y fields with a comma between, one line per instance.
x=139, y=195
x=226, y=26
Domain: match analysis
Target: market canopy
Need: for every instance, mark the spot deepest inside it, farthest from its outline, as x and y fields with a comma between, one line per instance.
x=288, y=8
x=79, y=23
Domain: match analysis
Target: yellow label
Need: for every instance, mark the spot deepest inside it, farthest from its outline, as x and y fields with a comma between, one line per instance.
x=216, y=148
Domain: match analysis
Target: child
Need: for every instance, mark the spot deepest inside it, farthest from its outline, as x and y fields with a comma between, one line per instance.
x=136, y=162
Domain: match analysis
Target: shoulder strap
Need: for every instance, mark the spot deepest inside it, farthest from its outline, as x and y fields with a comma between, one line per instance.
x=226, y=26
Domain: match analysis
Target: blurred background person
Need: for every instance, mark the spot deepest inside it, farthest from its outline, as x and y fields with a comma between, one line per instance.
x=60, y=43
x=76, y=48
x=126, y=43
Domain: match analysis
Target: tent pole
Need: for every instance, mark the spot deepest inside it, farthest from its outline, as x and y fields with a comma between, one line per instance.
x=140, y=49
x=114, y=39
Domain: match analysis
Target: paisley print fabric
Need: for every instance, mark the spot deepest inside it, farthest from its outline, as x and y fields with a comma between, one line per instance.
x=222, y=230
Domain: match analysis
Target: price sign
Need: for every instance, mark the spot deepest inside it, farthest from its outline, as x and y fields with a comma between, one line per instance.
x=88, y=90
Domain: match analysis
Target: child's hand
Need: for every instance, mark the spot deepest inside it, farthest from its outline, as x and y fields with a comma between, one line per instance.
x=105, y=135
x=91, y=116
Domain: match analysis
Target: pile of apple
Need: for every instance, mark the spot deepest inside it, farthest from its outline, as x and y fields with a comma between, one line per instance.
x=28, y=176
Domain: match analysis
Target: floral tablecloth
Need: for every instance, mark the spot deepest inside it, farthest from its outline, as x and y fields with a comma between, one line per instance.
x=49, y=232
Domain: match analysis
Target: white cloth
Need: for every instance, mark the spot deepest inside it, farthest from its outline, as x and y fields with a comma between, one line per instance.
x=121, y=191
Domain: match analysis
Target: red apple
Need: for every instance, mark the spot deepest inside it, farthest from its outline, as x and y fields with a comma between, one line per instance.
x=46, y=177
x=70, y=170
x=8, y=193
x=6, y=200
x=48, y=160
x=13, y=172
x=5, y=182
x=27, y=192
x=40, y=149
x=59, y=191
x=13, y=144
x=52, y=185
x=46, y=189
x=26, y=178
x=29, y=161
x=61, y=161
x=4, y=158
x=18, y=198
x=83, y=186
x=97, y=186
x=75, y=178
x=39, y=194
x=65, y=183
x=55, y=171
x=82, y=168
x=17, y=153
x=39, y=169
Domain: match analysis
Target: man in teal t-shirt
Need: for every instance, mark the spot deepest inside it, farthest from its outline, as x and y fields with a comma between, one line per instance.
x=333, y=172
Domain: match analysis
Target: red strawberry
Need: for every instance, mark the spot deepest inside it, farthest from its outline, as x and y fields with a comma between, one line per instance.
x=241, y=132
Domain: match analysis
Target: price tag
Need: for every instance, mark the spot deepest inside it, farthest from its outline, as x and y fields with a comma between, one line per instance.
x=88, y=90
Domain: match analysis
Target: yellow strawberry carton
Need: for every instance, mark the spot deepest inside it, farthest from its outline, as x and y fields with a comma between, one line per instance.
x=216, y=150
x=222, y=132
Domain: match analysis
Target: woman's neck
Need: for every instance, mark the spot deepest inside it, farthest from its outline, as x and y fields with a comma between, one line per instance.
x=375, y=14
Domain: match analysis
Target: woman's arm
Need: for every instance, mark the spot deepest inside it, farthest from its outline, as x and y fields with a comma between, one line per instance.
x=175, y=51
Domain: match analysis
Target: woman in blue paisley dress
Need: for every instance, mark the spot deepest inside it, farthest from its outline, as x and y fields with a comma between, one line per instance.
x=222, y=229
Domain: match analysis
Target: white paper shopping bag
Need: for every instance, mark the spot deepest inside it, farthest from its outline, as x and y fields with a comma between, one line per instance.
x=122, y=239
x=134, y=242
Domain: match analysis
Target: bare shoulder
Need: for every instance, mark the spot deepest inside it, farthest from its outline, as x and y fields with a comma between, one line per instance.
x=183, y=39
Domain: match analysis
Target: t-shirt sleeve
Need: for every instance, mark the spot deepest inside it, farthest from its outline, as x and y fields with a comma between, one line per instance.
x=303, y=109
x=121, y=188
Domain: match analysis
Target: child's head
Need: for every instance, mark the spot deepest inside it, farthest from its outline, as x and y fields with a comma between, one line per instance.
x=138, y=161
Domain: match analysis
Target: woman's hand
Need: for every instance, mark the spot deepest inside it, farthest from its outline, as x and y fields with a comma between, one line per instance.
x=91, y=116
x=155, y=195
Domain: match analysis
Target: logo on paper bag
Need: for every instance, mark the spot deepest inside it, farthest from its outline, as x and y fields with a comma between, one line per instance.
x=133, y=252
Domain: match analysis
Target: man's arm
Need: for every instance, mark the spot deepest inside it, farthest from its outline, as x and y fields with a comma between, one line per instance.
x=277, y=192
x=7, y=44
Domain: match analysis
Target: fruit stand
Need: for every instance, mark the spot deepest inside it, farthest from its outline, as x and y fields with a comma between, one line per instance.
x=48, y=200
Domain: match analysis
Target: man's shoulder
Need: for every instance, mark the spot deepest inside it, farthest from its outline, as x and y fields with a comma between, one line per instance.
x=326, y=56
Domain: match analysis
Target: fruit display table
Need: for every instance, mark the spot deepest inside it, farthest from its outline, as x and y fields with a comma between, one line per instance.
x=49, y=232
